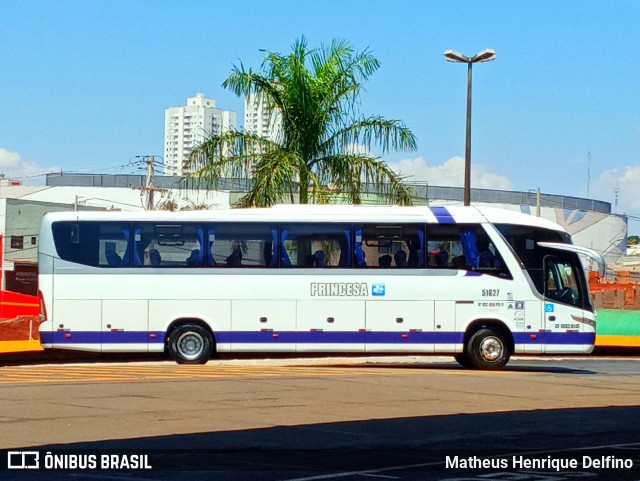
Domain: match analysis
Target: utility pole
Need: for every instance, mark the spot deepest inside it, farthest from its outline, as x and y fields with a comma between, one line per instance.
x=538, y=202
x=149, y=182
x=148, y=188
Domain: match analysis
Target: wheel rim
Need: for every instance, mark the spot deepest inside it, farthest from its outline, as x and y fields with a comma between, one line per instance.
x=491, y=349
x=190, y=345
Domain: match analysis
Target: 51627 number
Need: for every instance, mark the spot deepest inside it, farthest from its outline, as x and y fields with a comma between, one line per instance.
x=490, y=292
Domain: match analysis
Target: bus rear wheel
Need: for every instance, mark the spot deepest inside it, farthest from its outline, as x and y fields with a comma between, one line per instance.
x=488, y=350
x=463, y=360
x=190, y=344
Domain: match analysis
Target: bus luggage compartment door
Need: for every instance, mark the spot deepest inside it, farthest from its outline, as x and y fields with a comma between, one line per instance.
x=77, y=324
x=331, y=325
x=400, y=326
x=263, y=325
x=125, y=325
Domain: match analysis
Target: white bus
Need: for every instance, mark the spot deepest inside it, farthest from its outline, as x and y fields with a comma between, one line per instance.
x=481, y=284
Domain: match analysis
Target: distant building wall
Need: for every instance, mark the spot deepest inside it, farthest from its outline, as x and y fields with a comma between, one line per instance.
x=260, y=119
x=20, y=229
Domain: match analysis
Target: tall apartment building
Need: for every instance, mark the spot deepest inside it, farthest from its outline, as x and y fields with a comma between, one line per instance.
x=260, y=119
x=187, y=126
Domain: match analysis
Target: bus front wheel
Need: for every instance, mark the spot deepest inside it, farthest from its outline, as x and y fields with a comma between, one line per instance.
x=190, y=344
x=487, y=349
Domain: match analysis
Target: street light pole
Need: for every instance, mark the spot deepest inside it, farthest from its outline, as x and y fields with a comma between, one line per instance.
x=483, y=56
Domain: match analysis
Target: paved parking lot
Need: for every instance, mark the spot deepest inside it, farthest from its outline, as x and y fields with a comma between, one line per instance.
x=327, y=419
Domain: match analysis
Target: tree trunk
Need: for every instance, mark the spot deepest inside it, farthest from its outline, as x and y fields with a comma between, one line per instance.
x=304, y=188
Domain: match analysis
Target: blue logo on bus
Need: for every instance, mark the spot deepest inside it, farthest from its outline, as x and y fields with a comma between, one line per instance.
x=377, y=289
x=548, y=308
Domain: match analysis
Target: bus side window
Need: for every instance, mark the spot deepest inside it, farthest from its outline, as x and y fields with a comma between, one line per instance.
x=451, y=246
x=241, y=245
x=314, y=245
x=114, y=241
x=389, y=245
x=464, y=247
x=90, y=243
x=168, y=245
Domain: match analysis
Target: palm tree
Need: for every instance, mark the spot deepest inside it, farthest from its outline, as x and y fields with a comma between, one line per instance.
x=321, y=139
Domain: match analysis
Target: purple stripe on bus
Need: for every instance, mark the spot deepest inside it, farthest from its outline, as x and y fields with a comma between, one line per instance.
x=442, y=215
x=308, y=337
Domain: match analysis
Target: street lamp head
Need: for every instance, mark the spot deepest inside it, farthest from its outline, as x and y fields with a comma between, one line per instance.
x=453, y=56
x=485, y=55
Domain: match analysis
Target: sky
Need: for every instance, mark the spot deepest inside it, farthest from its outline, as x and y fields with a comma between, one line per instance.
x=84, y=84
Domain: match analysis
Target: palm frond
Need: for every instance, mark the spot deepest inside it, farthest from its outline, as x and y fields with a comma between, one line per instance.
x=231, y=154
x=388, y=134
x=351, y=172
x=274, y=178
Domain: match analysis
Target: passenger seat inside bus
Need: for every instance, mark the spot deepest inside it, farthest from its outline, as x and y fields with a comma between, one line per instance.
x=235, y=259
x=113, y=259
x=400, y=258
x=384, y=261
x=194, y=258
x=486, y=258
x=442, y=258
x=155, y=259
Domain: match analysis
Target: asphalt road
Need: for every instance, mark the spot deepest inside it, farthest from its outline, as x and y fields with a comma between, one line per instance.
x=329, y=419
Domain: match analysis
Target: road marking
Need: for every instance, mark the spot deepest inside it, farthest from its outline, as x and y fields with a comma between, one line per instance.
x=91, y=373
x=74, y=373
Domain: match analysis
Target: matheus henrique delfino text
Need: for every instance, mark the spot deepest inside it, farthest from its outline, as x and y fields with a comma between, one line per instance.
x=548, y=462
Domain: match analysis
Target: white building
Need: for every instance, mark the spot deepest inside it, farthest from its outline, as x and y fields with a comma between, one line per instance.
x=187, y=126
x=261, y=119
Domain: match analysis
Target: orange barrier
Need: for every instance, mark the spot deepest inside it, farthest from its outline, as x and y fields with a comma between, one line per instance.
x=19, y=322
x=19, y=319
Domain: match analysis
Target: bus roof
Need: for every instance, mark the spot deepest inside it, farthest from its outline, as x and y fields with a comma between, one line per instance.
x=453, y=214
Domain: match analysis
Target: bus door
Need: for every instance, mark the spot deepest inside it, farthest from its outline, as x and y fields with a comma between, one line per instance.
x=564, y=304
x=567, y=306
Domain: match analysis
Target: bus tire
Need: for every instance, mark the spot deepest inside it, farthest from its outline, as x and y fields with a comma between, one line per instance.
x=488, y=350
x=190, y=344
x=463, y=360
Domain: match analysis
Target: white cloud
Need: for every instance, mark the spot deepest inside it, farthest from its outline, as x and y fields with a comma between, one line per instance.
x=626, y=181
x=8, y=160
x=13, y=166
x=450, y=173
